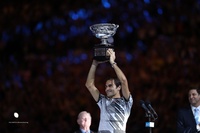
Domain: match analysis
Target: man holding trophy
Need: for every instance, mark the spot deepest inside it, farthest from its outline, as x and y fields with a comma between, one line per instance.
x=115, y=109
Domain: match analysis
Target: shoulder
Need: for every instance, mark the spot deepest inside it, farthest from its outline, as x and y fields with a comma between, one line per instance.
x=77, y=131
x=130, y=99
x=184, y=110
x=101, y=96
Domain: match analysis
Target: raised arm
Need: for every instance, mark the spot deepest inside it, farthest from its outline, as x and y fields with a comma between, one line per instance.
x=120, y=75
x=90, y=81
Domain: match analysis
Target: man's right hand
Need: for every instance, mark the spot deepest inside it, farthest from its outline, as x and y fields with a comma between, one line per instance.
x=111, y=53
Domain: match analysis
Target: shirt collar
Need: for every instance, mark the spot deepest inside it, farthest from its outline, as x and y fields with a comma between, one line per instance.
x=194, y=108
x=83, y=131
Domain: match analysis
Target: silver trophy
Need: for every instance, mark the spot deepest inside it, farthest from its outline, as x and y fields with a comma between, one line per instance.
x=103, y=31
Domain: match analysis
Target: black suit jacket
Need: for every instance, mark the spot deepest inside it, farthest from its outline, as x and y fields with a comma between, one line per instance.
x=185, y=121
x=79, y=131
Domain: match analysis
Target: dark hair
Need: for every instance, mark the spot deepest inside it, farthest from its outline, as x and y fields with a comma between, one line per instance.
x=195, y=88
x=116, y=81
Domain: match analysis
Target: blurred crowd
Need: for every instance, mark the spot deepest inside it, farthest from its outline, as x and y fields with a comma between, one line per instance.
x=46, y=49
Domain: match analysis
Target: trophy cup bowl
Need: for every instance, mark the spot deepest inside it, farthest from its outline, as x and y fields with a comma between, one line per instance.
x=103, y=31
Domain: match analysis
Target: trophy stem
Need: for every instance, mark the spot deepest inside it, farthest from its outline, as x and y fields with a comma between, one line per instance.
x=103, y=41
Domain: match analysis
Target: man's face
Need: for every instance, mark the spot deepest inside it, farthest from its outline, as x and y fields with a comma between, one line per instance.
x=194, y=98
x=111, y=89
x=84, y=120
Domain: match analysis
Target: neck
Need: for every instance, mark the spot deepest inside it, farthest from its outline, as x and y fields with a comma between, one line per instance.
x=196, y=105
x=117, y=96
x=85, y=128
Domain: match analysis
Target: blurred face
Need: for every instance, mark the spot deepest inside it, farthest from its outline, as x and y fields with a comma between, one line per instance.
x=194, y=98
x=84, y=120
x=111, y=89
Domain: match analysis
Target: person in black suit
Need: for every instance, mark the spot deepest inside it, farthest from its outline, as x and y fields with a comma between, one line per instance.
x=186, y=116
x=84, y=121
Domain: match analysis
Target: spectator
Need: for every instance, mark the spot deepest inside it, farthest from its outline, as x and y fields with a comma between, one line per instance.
x=84, y=121
x=188, y=120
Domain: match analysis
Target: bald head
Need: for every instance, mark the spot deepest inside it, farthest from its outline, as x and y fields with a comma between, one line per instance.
x=84, y=120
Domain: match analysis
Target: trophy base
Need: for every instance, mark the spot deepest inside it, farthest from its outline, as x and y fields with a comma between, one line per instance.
x=100, y=52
